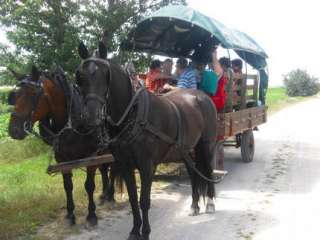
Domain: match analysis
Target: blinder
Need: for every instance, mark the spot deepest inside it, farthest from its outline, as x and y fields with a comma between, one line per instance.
x=93, y=96
x=38, y=87
x=12, y=98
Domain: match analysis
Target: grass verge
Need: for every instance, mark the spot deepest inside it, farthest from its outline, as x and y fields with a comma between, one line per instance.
x=28, y=196
x=277, y=99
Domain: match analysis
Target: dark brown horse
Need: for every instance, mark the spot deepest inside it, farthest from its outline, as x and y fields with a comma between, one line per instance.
x=49, y=99
x=146, y=130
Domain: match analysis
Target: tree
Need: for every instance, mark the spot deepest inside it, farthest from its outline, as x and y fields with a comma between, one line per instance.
x=48, y=31
x=300, y=83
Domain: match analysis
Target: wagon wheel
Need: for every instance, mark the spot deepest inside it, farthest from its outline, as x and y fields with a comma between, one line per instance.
x=247, y=146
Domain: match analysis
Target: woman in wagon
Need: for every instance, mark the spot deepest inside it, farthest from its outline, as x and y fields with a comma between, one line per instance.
x=156, y=79
x=228, y=74
x=213, y=80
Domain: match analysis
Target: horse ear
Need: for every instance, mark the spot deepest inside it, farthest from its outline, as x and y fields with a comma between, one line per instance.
x=83, y=51
x=102, y=50
x=35, y=74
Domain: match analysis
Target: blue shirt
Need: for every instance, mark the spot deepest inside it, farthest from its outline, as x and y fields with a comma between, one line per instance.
x=188, y=79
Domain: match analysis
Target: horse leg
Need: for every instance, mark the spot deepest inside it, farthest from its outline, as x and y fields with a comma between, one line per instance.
x=110, y=190
x=90, y=186
x=195, y=209
x=208, y=153
x=68, y=187
x=146, y=182
x=105, y=181
x=129, y=177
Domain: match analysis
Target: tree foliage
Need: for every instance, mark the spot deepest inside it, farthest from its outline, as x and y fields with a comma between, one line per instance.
x=300, y=83
x=49, y=31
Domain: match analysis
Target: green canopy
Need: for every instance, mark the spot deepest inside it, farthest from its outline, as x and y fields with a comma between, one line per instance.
x=180, y=31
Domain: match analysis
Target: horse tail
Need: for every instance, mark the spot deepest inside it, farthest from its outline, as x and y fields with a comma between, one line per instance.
x=203, y=165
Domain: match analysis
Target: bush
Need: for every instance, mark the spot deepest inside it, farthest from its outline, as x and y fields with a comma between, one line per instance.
x=300, y=83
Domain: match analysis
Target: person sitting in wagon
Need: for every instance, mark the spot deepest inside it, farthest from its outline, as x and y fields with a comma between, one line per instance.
x=212, y=81
x=155, y=79
x=187, y=77
x=228, y=74
x=238, y=84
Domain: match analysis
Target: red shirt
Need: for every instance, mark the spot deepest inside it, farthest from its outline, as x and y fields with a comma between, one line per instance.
x=153, y=84
x=220, y=97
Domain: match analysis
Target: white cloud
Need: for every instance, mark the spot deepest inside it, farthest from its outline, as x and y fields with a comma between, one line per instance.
x=287, y=29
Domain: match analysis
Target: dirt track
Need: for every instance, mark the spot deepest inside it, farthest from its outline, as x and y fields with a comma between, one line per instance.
x=277, y=196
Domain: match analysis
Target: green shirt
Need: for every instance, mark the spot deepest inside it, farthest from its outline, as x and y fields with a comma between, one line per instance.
x=209, y=82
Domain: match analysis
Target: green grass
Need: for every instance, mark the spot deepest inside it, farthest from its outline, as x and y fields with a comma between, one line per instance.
x=28, y=196
x=278, y=99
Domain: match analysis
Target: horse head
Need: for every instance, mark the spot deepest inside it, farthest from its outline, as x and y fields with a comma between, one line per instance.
x=93, y=77
x=32, y=102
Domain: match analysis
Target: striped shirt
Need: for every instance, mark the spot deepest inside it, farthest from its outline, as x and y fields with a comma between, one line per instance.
x=188, y=79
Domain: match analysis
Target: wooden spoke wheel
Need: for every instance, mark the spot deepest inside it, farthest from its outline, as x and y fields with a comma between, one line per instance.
x=247, y=146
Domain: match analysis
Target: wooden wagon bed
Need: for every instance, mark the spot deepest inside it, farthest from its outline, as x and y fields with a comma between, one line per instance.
x=233, y=123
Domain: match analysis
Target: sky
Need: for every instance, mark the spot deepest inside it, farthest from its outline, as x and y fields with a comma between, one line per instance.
x=288, y=30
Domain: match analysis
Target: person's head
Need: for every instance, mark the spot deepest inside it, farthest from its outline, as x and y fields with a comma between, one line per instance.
x=225, y=63
x=167, y=65
x=199, y=65
x=181, y=65
x=155, y=65
x=237, y=65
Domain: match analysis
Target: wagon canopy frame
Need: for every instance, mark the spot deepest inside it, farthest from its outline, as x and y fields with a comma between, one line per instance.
x=177, y=31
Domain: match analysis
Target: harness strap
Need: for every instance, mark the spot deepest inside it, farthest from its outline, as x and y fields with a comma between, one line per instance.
x=124, y=115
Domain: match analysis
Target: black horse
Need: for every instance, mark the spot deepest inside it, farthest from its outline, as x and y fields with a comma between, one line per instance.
x=146, y=129
x=49, y=99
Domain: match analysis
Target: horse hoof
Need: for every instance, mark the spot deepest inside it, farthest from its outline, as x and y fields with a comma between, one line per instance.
x=145, y=237
x=194, y=211
x=210, y=208
x=70, y=219
x=134, y=237
x=92, y=221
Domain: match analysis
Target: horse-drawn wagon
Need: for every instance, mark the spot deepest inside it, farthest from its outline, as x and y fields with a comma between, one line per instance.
x=178, y=31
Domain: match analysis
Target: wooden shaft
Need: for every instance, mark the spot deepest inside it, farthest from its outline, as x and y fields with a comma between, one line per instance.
x=83, y=162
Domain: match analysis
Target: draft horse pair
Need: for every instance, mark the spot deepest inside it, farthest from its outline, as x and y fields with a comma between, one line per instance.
x=145, y=130
x=49, y=99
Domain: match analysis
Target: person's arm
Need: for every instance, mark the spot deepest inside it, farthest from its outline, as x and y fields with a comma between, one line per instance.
x=162, y=76
x=216, y=65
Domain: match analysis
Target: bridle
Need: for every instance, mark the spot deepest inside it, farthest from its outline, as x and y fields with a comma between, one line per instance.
x=38, y=86
x=103, y=100
x=103, y=113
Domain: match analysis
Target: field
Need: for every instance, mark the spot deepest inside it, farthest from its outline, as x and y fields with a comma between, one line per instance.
x=30, y=198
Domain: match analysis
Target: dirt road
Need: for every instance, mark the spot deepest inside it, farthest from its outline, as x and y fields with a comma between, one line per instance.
x=277, y=196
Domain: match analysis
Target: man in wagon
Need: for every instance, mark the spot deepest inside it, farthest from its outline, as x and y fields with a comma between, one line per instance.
x=238, y=84
x=187, y=76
